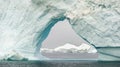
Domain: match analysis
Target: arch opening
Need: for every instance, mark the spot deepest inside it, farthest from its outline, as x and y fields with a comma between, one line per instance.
x=60, y=33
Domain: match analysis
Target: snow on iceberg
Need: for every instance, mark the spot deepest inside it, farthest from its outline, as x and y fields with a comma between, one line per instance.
x=12, y=55
x=66, y=48
x=70, y=48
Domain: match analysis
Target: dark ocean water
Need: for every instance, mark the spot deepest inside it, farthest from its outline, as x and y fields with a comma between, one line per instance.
x=60, y=63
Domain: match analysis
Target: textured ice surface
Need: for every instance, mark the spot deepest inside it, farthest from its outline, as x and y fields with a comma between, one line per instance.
x=25, y=24
x=98, y=22
x=70, y=48
x=70, y=52
x=12, y=55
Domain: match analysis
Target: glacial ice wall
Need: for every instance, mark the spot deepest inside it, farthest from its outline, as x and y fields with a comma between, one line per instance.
x=25, y=24
x=98, y=22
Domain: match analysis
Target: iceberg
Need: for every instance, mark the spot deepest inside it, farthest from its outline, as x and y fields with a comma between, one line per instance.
x=98, y=24
x=66, y=48
x=70, y=48
x=12, y=56
x=70, y=51
x=24, y=25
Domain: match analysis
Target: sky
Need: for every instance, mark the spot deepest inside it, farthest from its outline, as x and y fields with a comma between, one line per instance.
x=61, y=34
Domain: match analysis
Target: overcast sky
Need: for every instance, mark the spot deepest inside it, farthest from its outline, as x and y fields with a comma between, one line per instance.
x=61, y=34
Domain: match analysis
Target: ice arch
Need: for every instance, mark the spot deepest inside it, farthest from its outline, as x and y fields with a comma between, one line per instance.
x=96, y=21
x=25, y=24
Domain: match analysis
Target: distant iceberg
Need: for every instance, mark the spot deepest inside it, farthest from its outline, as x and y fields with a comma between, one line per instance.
x=70, y=48
x=70, y=51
